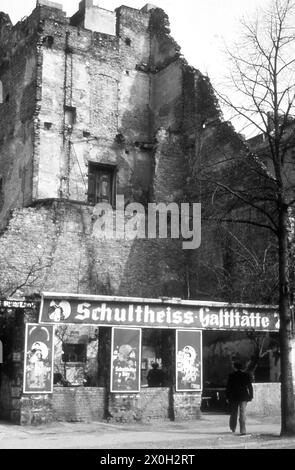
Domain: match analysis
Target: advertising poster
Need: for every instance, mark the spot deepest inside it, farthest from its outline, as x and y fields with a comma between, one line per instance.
x=188, y=360
x=126, y=360
x=38, y=363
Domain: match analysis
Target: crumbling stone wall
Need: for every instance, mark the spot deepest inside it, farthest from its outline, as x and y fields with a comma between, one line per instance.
x=54, y=249
x=129, y=100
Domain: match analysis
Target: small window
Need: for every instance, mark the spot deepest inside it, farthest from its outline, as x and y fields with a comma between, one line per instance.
x=70, y=115
x=48, y=41
x=101, y=184
x=74, y=352
x=47, y=125
x=128, y=42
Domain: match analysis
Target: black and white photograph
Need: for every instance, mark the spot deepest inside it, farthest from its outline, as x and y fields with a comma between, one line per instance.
x=147, y=228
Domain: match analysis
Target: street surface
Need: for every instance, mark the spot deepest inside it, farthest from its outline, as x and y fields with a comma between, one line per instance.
x=210, y=432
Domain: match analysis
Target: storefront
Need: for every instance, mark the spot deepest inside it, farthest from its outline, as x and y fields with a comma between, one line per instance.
x=88, y=357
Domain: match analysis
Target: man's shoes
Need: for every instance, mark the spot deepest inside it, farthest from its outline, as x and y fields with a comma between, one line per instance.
x=232, y=430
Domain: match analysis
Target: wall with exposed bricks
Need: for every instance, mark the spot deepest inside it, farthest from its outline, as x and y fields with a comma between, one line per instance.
x=78, y=404
x=137, y=105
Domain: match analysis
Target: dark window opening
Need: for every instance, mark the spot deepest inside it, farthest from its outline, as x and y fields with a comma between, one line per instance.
x=157, y=348
x=7, y=98
x=74, y=352
x=101, y=184
x=86, y=134
x=48, y=41
x=120, y=139
x=70, y=115
x=128, y=42
x=47, y=125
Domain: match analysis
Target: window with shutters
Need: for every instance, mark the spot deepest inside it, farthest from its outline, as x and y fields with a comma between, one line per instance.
x=101, y=183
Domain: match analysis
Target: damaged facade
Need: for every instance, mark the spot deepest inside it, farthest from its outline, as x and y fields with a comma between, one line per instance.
x=92, y=106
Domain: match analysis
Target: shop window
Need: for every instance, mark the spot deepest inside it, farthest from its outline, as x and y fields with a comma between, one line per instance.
x=70, y=115
x=74, y=352
x=157, y=348
x=101, y=184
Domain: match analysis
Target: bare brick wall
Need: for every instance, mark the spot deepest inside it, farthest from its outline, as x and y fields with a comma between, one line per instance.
x=58, y=245
x=35, y=410
x=187, y=405
x=149, y=404
x=140, y=107
x=78, y=404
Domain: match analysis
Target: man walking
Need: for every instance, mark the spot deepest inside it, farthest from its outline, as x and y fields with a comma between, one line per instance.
x=239, y=391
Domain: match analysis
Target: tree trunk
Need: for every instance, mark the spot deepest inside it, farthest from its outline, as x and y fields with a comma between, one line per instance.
x=286, y=328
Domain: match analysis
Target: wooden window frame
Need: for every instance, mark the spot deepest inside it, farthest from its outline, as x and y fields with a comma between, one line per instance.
x=101, y=167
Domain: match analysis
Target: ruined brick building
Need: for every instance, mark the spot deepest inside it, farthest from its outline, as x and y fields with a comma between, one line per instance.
x=92, y=106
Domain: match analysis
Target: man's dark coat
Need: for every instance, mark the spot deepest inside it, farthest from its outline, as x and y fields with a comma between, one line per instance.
x=239, y=387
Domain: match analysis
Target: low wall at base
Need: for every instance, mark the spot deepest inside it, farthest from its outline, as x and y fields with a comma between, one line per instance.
x=266, y=401
x=144, y=406
x=187, y=405
x=78, y=403
x=36, y=410
x=88, y=404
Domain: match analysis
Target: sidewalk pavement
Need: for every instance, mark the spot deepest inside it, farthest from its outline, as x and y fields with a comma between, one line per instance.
x=209, y=432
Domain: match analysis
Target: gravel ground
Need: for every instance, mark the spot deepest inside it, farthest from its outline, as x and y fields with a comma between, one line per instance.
x=209, y=432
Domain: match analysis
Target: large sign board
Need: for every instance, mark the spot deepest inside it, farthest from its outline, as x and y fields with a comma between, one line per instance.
x=126, y=312
x=38, y=363
x=126, y=360
x=188, y=360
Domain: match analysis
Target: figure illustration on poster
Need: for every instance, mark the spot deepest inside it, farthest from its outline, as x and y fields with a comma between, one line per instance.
x=38, y=366
x=38, y=369
x=188, y=366
x=124, y=365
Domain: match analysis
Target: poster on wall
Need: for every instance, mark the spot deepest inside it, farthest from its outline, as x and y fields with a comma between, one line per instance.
x=38, y=363
x=126, y=360
x=188, y=360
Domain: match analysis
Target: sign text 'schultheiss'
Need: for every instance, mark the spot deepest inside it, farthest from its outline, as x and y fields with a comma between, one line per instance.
x=132, y=314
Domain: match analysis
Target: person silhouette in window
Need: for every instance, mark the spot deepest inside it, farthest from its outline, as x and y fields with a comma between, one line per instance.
x=155, y=377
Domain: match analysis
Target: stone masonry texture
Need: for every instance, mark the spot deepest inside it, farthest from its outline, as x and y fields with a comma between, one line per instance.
x=107, y=88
